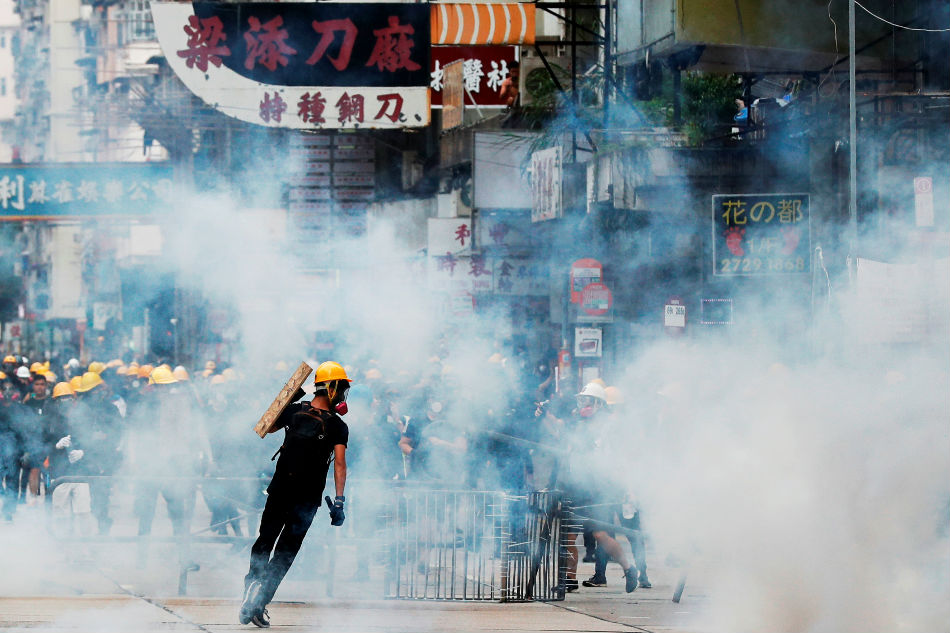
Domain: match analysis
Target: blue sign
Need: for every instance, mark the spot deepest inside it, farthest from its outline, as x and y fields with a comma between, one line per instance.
x=83, y=189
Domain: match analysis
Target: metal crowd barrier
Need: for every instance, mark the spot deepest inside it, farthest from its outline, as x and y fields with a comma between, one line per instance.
x=474, y=545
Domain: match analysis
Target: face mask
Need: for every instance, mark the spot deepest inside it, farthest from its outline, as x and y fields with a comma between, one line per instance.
x=587, y=411
x=341, y=408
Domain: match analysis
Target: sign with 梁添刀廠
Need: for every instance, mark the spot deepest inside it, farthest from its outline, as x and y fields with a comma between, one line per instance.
x=302, y=65
x=761, y=234
x=37, y=191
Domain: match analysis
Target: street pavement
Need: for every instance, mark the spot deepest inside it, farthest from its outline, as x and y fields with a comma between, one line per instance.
x=55, y=585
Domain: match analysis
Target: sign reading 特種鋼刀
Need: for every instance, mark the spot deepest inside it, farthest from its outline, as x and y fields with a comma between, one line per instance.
x=302, y=65
x=83, y=189
x=761, y=234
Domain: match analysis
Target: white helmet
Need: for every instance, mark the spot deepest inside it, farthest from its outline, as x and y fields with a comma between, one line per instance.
x=594, y=390
x=22, y=372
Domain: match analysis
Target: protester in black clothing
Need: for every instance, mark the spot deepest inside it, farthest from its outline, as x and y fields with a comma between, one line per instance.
x=11, y=448
x=315, y=436
x=101, y=427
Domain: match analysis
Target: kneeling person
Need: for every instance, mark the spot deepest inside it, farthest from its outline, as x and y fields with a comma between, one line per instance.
x=315, y=436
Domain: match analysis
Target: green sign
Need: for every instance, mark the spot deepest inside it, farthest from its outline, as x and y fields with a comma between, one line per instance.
x=761, y=234
x=83, y=189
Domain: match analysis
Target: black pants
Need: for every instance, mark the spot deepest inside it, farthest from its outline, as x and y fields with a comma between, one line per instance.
x=285, y=521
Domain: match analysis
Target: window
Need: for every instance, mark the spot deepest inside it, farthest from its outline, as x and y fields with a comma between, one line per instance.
x=135, y=21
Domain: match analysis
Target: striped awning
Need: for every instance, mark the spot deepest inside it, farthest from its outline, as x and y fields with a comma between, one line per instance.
x=482, y=23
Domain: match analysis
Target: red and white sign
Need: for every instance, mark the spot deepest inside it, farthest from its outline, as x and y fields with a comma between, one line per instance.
x=583, y=273
x=483, y=70
x=185, y=37
x=596, y=299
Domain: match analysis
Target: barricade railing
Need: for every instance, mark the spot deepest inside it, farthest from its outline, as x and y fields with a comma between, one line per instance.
x=450, y=544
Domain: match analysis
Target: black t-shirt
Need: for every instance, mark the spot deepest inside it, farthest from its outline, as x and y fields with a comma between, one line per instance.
x=305, y=456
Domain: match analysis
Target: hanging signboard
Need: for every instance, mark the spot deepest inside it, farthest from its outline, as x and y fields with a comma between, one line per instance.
x=761, y=234
x=83, y=190
x=674, y=313
x=547, y=201
x=583, y=273
x=302, y=65
x=924, y=201
x=483, y=70
x=519, y=276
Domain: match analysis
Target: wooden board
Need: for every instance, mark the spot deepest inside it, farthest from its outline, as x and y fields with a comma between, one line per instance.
x=266, y=423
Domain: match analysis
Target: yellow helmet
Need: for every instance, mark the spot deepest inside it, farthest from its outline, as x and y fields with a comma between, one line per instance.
x=145, y=371
x=218, y=380
x=96, y=366
x=75, y=382
x=166, y=366
x=63, y=389
x=3, y=376
x=614, y=395
x=600, y=381
x=50, y=376
x=36, y=368
x=180, y=373
x=134, y=365
x=121, y=370
x=330, y=371
x=89, y=381
x=9, y=359
x=162, y=375
x=115, y=362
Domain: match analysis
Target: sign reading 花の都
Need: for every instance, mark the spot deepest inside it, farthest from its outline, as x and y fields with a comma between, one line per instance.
x=302, y=65
x=761, y=234
x=30, y=191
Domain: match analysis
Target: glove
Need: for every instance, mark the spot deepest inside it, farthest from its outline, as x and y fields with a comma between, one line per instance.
x=336, y=510
x=300, y=393
x=75, y=456
x=64, y=442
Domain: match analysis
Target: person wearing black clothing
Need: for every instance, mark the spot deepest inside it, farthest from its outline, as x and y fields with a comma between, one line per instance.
x=11, y=449
x=314, y=436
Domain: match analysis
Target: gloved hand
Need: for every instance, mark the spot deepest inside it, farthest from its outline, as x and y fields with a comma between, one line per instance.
x=64, y=442
x=336, y=510
x=300, y=393
x=75, y=455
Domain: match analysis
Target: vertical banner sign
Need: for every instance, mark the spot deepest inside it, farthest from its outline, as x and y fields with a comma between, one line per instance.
x=583, y=273
x=453, y=98
x=761, y=234
x=546, y=184
x=302, y=65
x=924, y=201
x=588, y=342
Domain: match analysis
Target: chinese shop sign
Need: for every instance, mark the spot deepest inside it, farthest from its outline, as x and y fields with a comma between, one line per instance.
x=83, y=190
x=303, y=65
x=483, y=70
x=547, y=201
x=761, y=234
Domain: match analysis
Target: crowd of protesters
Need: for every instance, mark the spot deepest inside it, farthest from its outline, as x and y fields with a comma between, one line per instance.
x=493, y=424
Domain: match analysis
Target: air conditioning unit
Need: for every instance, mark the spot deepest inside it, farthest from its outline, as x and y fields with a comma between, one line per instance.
x=535, y=80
